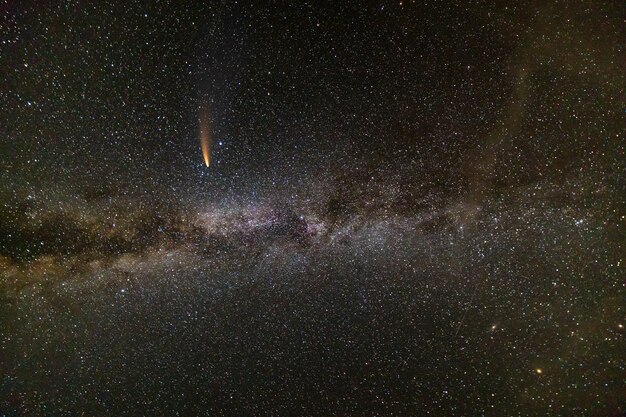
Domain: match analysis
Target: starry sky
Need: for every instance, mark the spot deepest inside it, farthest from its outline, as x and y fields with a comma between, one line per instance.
x=411, y=208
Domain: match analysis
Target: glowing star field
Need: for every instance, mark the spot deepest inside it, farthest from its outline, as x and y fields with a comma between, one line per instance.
x=306, y=209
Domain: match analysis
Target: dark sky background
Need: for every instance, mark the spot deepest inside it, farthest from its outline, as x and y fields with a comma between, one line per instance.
x=109, y=93
x=413, y=208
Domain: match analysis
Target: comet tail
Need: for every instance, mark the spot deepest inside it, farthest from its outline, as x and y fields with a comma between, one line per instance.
x=205, y=139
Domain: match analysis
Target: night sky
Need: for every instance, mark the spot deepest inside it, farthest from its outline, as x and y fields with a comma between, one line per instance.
x=411, y=208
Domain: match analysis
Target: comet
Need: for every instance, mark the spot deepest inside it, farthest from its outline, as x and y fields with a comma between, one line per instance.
x=205, y=138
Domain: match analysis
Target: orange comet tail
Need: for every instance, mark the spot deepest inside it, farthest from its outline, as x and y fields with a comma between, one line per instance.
x=205, y=138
